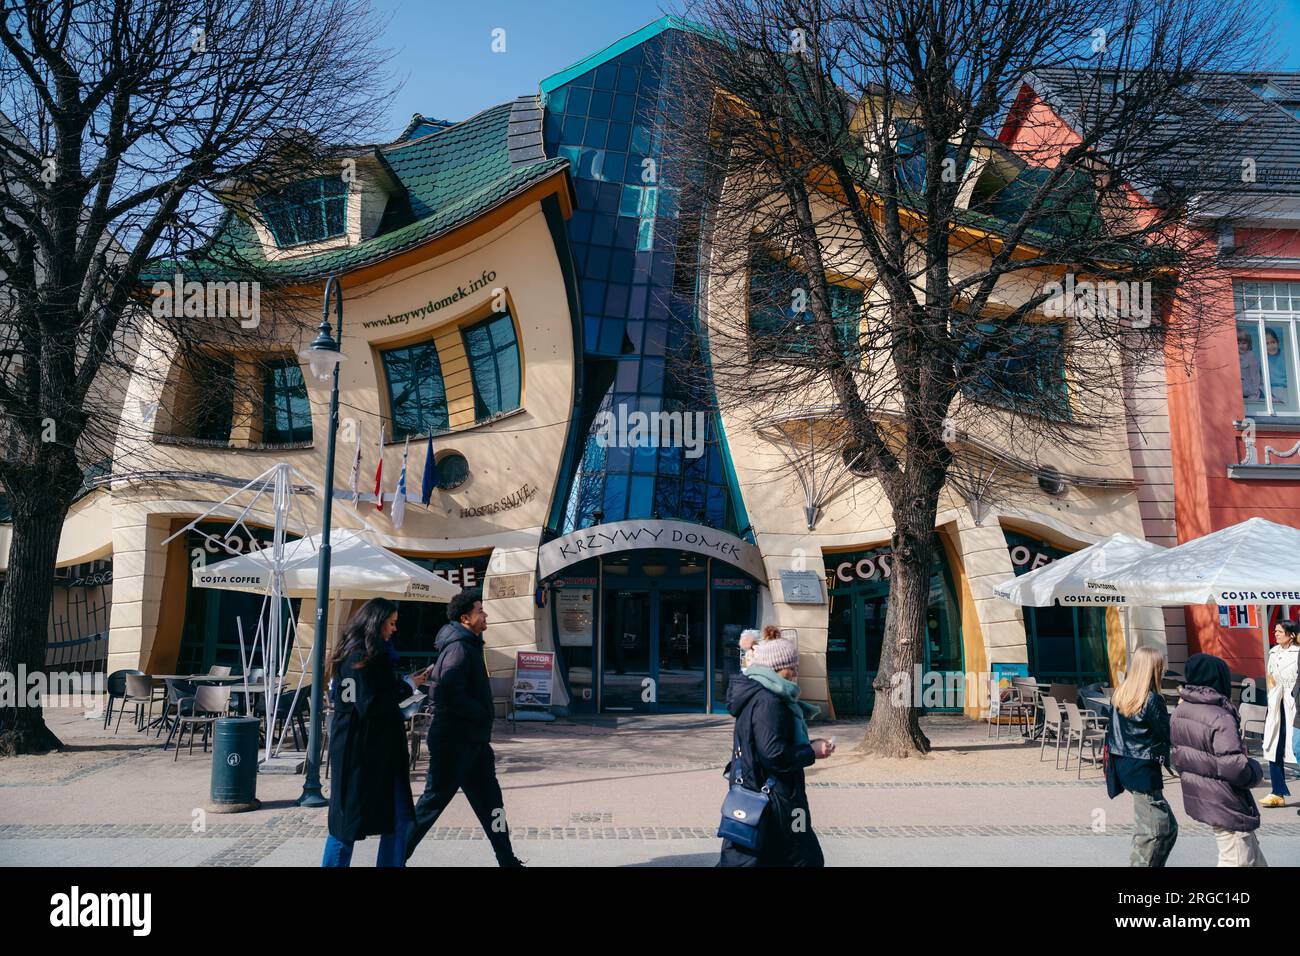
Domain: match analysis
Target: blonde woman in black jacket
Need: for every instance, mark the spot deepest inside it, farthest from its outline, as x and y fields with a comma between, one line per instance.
x=1137, y=744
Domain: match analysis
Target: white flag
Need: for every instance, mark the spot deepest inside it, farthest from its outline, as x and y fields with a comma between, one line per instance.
x=354, y=482
x=399, y=497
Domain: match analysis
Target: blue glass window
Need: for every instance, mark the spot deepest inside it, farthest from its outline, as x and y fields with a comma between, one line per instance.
x=494, y=365
x=286, y=411
x=417, y=398
x=1022, y=368
x=775, y=289
x=308, y=211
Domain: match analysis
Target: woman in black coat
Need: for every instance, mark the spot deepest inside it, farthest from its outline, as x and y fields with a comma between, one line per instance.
x=771, y=743
x=370, y=792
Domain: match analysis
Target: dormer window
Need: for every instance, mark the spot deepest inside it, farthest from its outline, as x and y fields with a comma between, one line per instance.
x=309, y=211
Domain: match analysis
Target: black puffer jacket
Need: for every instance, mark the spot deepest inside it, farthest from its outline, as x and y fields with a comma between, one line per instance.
x=764, y=737
x=461, y=689
x=1144, y=737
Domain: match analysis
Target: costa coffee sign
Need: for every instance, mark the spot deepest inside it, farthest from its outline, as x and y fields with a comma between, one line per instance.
x=872, y=567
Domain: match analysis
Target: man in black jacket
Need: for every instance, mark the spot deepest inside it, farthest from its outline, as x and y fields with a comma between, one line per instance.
x=460, y=755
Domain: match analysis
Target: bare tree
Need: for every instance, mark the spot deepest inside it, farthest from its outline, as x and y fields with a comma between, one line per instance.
x=133, y=127
x=871, y=250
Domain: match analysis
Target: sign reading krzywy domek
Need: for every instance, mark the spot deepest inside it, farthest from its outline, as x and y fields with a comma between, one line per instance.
x=617, y=536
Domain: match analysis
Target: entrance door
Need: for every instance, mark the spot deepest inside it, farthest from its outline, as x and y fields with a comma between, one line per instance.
x=681, y=635
x=654, y=654
x=628, y=654
x=857, y=630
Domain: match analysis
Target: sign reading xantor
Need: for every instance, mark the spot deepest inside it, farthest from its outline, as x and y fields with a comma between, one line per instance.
x=533, y=671
x=620, y=536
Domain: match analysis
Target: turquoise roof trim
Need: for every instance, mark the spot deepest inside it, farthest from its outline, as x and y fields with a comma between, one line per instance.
x=650, y=30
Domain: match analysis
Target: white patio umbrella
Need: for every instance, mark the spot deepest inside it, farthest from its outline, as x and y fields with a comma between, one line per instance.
x=1248, y=563
x=359, y=568
x=1066, y=580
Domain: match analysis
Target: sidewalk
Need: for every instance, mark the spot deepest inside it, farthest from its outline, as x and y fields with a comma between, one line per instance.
x=611, y=791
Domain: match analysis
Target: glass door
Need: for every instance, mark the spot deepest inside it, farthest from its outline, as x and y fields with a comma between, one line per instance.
x=627, y=649
x=681, y=648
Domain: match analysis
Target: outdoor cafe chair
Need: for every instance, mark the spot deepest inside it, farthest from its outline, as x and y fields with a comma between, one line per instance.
x=1085, y=726
x=1065, y=692
x=1054, y=725
x=116, y=686
x=1015, y=706
x=180, y=700
x=139, y=692
x=1029, y=693
x=418, y=727
x=255, y=676
x=286, y=710
x=1252, y=723
x=207, y=704
x=219, y=670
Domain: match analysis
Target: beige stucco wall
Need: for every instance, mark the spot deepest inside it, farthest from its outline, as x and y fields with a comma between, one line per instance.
x=858, y=516
x=132, y=519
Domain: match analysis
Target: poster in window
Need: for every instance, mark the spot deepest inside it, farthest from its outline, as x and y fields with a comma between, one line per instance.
x=574, y=616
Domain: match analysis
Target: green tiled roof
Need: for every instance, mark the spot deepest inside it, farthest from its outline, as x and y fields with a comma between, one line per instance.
x=451, y=177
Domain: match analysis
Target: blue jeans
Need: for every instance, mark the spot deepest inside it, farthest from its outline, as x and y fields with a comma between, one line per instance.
x=1276, y=770
x=392, y=846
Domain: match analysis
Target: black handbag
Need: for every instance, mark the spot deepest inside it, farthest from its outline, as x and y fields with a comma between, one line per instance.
x=743, y=809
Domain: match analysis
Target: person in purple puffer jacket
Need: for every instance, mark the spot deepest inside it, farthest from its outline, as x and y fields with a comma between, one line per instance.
x=1216, y=771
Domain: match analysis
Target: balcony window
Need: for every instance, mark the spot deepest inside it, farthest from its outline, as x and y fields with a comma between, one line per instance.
x=417, y=397
x=309, y=211
x=494, y=365
x=1022, y=369
x=1267, y=315
x=780, y=311
x=286, y=411
x=210, y=399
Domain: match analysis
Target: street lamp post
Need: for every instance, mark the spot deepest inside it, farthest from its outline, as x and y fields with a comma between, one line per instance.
x=323, y=357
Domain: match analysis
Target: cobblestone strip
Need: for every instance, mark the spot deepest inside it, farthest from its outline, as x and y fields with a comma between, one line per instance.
x=255, y=842
x=970, y=784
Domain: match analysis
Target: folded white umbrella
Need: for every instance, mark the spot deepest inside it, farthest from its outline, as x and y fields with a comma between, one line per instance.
x=1254, y=562
x=1065, y=580
x=359, y=569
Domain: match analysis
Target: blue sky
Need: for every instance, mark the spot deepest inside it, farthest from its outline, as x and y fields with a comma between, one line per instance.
x=443, y=48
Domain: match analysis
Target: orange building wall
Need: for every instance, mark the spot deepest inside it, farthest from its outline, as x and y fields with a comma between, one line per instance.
x=1203, y=401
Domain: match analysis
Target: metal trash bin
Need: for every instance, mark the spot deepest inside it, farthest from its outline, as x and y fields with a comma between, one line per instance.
x=234, y=765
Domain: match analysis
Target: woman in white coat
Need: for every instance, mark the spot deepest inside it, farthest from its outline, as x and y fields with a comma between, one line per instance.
x=1282, y=660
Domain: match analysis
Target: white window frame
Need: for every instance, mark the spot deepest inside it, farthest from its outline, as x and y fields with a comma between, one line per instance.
x=1260, y=317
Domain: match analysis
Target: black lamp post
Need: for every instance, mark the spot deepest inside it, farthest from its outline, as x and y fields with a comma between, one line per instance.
x=323, y=357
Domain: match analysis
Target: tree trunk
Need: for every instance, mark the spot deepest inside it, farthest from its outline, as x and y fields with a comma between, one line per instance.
x=895, y=729
x=24, y=618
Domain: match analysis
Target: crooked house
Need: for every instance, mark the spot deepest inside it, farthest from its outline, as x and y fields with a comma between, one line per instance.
x=511, y=282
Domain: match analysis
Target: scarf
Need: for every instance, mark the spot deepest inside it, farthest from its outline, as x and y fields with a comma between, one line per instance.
x=788, y=691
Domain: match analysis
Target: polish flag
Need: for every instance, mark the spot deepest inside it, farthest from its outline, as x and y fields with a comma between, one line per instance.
x=379, y=473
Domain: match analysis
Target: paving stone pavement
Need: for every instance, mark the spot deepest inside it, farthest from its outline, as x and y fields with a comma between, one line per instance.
x=634, y=791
